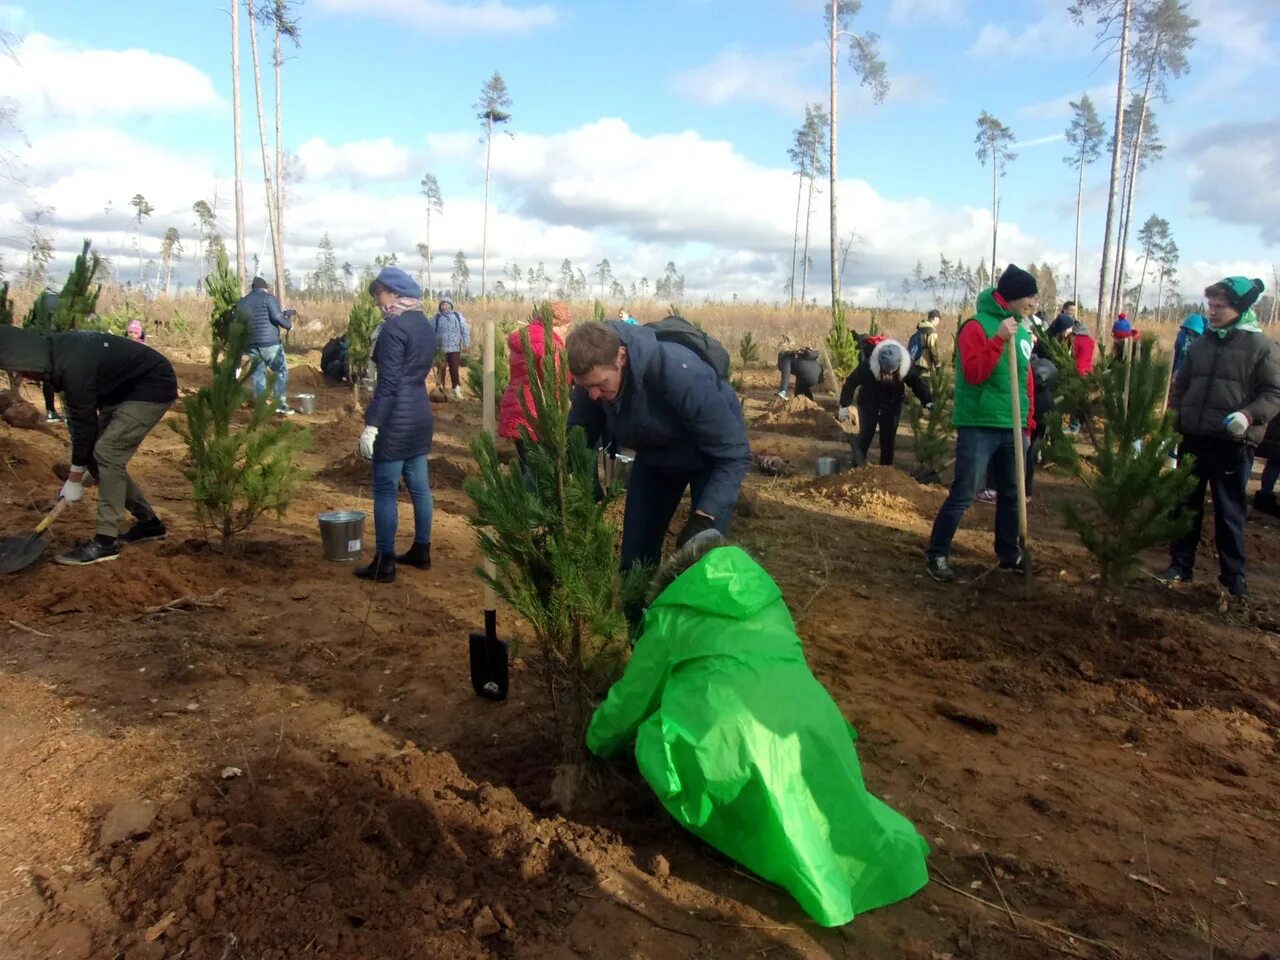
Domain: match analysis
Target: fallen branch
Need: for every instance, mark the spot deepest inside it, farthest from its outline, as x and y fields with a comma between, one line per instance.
x=994, y=879
x=1147, y=881
x=23, y=626
x=185, y=603
x=1053, y=928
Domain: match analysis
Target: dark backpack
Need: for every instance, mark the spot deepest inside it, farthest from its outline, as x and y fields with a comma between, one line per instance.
x=675, y=329
x=915, y=346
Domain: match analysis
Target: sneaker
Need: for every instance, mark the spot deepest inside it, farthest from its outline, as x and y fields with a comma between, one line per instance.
x=457, y=393
x=986, y=496
x=98, y=550
x=1175, y=574
x=940, y=569
x=145, y=530
x=53, y=416
x=419, y=555
x=1017, y=565
x=782, y=395
x=1235, y=586
x=285, y=411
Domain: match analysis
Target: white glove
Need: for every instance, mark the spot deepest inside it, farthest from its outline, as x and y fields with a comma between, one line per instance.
x=1237, y=424
x=73, y=490
x=842, y=414
x=365, y=447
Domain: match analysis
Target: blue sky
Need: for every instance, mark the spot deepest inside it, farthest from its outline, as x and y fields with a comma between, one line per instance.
x=643, y=132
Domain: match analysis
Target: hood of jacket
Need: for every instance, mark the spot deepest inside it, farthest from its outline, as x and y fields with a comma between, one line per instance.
x=25, y=351
x=988, y=304
x=1195, y=323
x=726, y=582
x=904, y=366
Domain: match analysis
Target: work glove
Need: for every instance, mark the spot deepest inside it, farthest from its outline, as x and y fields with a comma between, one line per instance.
x=1237, y=424
x=73, y=490
x=365, y=447
x=698, y=523
x=842, y=414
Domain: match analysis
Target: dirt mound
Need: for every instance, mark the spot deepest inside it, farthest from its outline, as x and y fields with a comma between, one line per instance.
x=356, y=857
x=799, y=417
x=882, y=493
x=22, y=415
x=448, y=472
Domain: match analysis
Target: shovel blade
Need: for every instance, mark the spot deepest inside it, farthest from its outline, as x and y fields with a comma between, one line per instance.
x=18, y=553
x=489, y=661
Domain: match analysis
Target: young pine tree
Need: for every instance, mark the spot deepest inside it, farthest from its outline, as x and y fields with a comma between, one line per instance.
x=237, y=471
x=553, y=549
x=78, y=300
x=932, y=429
x=842, y=347
x=1134, y=500
x=361, y=322
x=501, y=363
x=748, y=350
x=224, y=292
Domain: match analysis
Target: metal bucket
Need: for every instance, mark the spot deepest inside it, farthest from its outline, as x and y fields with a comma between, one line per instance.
x=342, y=533
x=827, y=466
x=306, y=402
x=620, y=469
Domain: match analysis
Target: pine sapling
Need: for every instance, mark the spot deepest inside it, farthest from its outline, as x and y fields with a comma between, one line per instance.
x=748, y=350
x=842, y=347
x=78, y=300
x=361, y=323
x=224, y=293
x=501, y=363
x=238, y=471
x=932, y=429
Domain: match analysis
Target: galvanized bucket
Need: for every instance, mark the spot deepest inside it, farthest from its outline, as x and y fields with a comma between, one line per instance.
x=827, y=466
x=306, y=402
x=342, y=533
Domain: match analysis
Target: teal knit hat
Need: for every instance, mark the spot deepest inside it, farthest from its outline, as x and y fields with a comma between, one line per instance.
x=1241, y=292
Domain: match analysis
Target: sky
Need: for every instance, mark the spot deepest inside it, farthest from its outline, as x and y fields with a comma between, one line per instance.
x=645, y=133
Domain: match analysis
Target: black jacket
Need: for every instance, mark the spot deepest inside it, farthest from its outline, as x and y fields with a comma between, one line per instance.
x=806, y=367
x=1221, y=375
x=261, y=311
x=874, y=393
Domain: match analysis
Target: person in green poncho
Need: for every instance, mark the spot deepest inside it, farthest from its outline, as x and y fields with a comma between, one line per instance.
x=745, y=748
x=1226, y=391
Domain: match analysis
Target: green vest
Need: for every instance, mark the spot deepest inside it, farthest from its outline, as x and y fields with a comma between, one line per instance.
x=988, y=404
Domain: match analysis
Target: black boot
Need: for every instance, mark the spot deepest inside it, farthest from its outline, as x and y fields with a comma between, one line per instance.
x=381, y=570
x=419, y=555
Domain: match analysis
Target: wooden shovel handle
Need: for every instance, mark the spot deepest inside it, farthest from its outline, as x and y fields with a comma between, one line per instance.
x=51, y=516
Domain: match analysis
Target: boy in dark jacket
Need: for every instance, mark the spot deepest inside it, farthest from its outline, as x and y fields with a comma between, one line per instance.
x=806, y=364
x=1226, y=392
x=879, y=387
x=685, y=424
x=117, y=391
x=261, y=312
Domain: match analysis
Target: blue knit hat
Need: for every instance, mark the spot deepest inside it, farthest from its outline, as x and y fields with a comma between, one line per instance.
x=1194, y=323
x=398, y=282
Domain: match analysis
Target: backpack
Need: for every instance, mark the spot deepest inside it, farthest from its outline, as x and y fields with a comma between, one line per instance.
x=915, y=346
x=675, y=329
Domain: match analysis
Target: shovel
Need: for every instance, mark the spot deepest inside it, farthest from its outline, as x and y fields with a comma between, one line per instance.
x=1019, y=461
x=488, y=653
x=18, y=553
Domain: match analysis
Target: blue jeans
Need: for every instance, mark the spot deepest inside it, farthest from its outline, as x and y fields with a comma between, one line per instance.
x=386, y=511
x=978, y=448
x=269, y=358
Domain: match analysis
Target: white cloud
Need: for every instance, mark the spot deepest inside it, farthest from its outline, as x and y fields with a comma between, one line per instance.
x=54, y=80
x=1040, y=141
x=771, y=78
x=1235, y=169
x=1103, y=97
x=935, y=11
x=1053, y=35
x=358, y=161
x=438, y=16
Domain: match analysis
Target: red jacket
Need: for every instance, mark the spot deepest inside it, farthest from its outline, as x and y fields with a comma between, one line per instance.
x=510, y=414
x=1082, y=348
x=979, y=355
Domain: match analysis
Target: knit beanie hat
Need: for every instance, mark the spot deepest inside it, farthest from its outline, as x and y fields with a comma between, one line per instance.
x=260, y=284
x=1015, y=283
x=1194, y=323
x=1079, y=329
x=890, y=357
x=135, y=327
x=448, y=300
x=1241, y=292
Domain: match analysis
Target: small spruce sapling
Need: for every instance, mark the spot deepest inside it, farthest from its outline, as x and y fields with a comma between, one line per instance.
x=238, y=471
x=842, y=347
x=748, y=350
x=78, y=300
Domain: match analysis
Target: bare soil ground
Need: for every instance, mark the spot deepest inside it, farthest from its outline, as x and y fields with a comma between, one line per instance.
x=295, y=766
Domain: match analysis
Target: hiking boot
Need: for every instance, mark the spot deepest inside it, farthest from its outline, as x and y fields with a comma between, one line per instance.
x=986, y=496
x=98, y=550
x=381, y=570
x=1016, y=565
x=1175, y=574
x=940, y=569
x=145, y=530
x=419, y=555
x=1235, y=586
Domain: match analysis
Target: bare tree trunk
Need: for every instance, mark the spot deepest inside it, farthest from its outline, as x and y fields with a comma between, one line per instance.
x=804, y=263
x=262, y=141
x=281, y=288
x=1159, y=294
x=835, y=232
x=1135, y=163
x=1075, y=269
x=795, y=238
x=484, y=230
x=995, y=207
x=235, y=119
x=1104, y=275
x=428, y=290
x=1142, y=282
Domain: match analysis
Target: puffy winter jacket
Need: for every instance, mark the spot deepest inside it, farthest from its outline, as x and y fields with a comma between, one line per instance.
x=510, y=414
x=675, y=413
x=452, y=334
x=400, y=409
x=1220, y=375
x=94, y=370
x=874, y=393
x=806, y=367
x=261, y=311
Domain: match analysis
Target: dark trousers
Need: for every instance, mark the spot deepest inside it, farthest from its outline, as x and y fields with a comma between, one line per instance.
x=454, y=360
x=1270, y=474
x=653, y=494
x=885, y=419
x=1222, y=466
x=1033, y=451
x=50, y=404
x=977, y=449
x=806, y=377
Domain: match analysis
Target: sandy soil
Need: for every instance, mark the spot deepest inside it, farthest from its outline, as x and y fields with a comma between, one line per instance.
x=296, y=765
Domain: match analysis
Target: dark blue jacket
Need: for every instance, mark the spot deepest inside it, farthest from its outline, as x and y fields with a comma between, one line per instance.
x=400, y=408
x=261, y=311
x=675, y=413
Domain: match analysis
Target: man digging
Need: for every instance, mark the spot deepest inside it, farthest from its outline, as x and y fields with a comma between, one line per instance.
x=116, y=391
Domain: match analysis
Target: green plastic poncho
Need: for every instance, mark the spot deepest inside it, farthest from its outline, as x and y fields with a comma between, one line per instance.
x=748, y=751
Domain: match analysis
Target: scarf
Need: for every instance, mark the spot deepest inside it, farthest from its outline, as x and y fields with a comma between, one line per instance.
x=401, y=305
x=1248, y=322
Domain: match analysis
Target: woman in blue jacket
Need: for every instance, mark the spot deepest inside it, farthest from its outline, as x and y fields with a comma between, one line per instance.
x=453, y=337
x=398, y=425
